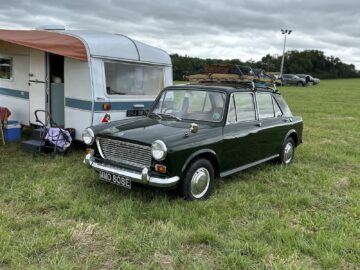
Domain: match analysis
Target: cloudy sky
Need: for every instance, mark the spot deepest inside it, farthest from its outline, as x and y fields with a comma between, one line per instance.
x=247, y=29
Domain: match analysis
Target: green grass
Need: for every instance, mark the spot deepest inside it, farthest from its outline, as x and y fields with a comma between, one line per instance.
x=56, y=214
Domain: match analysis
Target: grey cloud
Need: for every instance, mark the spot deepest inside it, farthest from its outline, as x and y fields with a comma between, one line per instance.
x=228, y=28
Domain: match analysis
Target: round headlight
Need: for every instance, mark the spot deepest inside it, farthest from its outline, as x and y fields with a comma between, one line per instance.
x=88, y=136
x=158, y=150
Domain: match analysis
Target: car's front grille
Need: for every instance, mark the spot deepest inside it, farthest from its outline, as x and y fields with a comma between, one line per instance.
x=124, y=152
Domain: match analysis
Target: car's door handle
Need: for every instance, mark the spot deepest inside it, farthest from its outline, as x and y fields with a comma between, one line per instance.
x=288, y=120
x=258, y=124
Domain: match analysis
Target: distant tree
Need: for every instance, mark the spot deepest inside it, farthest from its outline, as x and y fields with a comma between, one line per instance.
x=312, y=62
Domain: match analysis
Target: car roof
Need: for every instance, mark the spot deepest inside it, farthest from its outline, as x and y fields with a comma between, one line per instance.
x=221, y=87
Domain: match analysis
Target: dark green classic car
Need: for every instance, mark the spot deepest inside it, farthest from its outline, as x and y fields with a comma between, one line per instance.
x=194, y=134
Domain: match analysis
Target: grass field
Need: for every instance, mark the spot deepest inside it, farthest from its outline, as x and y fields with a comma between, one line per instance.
x=56, y=214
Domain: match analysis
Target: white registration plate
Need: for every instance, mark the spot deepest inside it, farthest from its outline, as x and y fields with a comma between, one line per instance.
x=116, y=179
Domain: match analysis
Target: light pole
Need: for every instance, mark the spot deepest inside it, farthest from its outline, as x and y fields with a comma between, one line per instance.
x=285, y=33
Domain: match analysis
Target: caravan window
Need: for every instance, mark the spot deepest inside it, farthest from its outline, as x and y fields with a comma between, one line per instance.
x=5, y=68
x=133, y=79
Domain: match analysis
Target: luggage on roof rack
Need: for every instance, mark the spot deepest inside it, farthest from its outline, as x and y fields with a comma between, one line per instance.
x=231, y=74
x=224, y=71
x=218, y=68
x=214, y=77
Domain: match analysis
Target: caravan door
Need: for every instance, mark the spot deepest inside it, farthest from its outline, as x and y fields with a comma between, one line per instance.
x=37, y=85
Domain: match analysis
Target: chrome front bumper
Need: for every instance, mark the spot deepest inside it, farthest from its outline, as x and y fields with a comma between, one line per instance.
x=143, y=177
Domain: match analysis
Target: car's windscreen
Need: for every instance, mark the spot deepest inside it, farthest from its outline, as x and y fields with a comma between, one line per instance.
x=191, y=105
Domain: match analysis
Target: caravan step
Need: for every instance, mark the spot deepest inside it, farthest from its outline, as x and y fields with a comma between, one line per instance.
x=38, y=133
x=32, y=146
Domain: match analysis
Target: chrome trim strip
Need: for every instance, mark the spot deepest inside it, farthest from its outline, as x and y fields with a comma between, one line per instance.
x=99, y=148
x=241, y=168
x=135, y=176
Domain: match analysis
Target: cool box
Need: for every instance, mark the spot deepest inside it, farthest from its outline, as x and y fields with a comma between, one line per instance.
x=12, y=131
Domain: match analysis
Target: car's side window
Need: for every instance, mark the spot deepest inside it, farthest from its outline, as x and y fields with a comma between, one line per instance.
x=277, y=109
x=231, y=119
x=283, y=105
x=245, y=109
x=241, y=108
x=265, y=105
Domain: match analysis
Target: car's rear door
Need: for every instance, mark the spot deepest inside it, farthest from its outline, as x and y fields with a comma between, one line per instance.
x=273, y=124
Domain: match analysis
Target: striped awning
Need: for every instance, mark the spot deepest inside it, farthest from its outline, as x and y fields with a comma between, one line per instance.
x=52, y=42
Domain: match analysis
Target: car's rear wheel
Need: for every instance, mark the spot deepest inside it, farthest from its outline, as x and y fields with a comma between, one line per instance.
x=198, y=181
x=287, y=152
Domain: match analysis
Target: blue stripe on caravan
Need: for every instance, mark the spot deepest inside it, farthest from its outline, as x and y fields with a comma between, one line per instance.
x=122, y=106
x=98, y=106
x=78, y=104
x=14, y=93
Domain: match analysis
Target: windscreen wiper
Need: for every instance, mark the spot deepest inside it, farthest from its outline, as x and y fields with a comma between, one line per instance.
x=156, y=114
x=170, y=115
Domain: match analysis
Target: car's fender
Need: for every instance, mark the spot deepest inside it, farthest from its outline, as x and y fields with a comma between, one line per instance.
x=198, y=153
x=289, y=133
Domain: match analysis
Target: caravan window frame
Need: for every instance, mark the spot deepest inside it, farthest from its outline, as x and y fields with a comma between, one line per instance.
x=6, y=57
x=132, y=97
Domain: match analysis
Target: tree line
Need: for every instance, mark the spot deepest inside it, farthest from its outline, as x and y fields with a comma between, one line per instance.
x=312, y=62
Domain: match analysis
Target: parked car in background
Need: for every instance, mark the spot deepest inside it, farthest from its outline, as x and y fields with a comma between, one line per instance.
x=291, y=79
x=276, y=78
x=194, y=134
x=309, y=79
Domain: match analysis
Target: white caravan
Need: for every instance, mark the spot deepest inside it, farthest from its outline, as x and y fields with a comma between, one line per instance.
x=78, y=76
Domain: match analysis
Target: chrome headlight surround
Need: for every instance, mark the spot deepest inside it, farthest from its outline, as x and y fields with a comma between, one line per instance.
x=158, y=150
x=88, y=136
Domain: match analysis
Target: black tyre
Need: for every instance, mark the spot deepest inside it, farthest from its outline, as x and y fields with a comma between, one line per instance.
x=287, y=152
x=198, y=181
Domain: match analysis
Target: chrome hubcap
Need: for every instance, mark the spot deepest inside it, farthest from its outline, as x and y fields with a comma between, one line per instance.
x=288, y=153
x=200, y=182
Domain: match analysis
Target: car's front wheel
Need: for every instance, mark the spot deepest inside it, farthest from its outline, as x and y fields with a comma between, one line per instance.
x=198, y=181
x=287, y=152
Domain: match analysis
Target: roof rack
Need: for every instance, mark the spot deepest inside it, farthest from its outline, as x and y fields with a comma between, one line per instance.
x=234, y=83
x=248, y=84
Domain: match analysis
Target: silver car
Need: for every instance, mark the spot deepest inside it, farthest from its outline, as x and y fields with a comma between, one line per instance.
x=309, y=79
x=291, y=79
